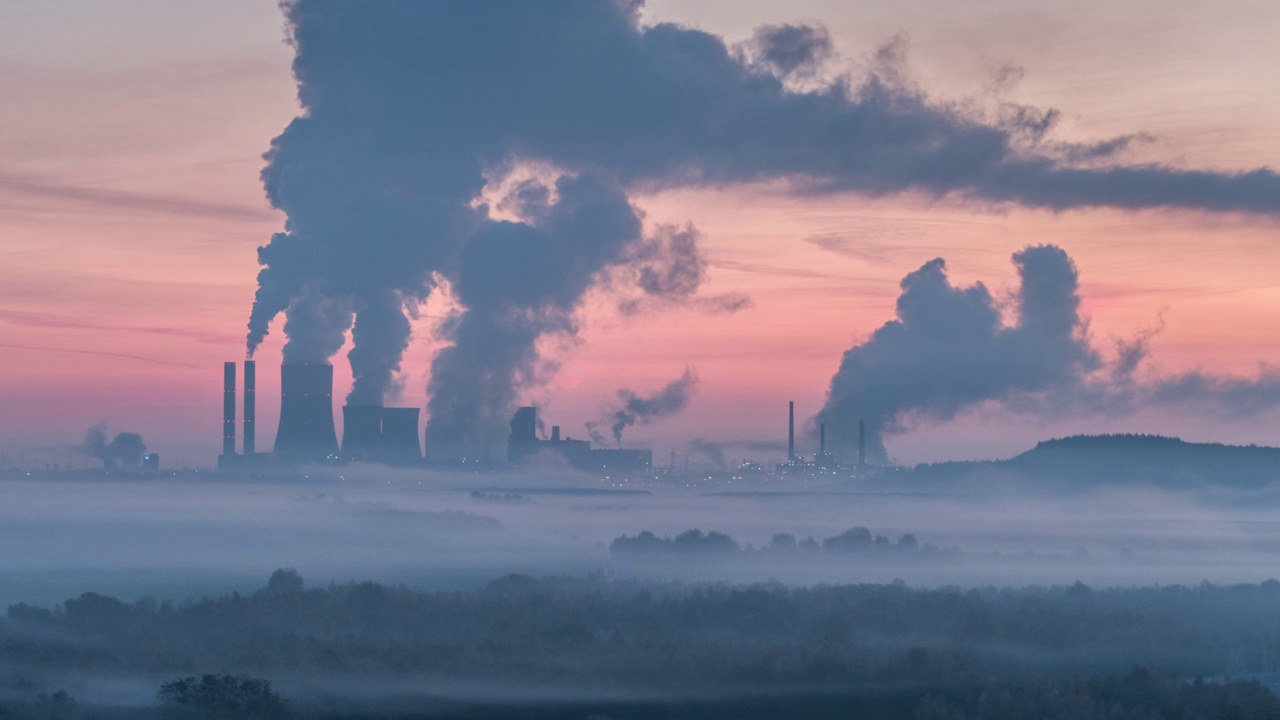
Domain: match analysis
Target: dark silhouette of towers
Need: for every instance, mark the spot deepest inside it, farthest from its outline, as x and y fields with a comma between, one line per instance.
x=361, y=432
x=524, y=425
x=306, y=432
x=524, y=443
x=306, y=413
x=791, y=431
x=400, y=436
x=250, y=408
x=380, y=434
x=229, y=409
x=862, y=443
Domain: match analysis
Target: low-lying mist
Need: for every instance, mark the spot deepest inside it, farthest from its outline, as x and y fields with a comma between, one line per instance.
x=181, y=537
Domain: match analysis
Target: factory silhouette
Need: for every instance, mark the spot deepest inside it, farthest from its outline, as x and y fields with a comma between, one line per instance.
x=373, y=433
x=391, y=435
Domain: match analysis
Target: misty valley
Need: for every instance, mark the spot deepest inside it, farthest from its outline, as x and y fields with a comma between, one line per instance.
x=370, y=592
x=666, y=360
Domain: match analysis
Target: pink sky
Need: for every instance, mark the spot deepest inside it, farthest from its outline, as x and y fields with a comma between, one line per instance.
x=130, y=208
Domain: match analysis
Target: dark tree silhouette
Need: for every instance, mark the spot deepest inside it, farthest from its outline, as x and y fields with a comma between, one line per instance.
x=221, y=697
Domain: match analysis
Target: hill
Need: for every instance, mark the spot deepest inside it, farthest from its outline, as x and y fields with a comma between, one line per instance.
x=1086, y=461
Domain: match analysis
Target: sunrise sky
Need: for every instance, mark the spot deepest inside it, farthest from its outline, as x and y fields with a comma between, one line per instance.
x=131, y=136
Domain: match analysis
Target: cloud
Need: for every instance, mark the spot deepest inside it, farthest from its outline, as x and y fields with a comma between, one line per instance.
x=45, y=189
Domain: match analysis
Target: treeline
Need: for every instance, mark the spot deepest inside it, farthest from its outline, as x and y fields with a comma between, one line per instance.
x=1139, y=694
x=631, y=632
x=855, y=540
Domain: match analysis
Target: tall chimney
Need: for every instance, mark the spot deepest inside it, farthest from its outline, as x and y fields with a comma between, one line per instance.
x=250, y=408
x=791, y=431
x=822, y=438
x=862, y=443
x=229, y=408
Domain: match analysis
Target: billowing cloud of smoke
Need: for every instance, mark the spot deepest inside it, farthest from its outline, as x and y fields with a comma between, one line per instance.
x=520, y=281
x=634, y=409
x=712, y=451
x=949, y=350
x=791, y=49
x=124, y=450
x=409, y=107
x=668, y=269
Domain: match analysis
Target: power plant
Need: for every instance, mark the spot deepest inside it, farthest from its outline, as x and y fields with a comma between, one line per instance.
x=306, y=432
x=393, y=435
x=524, y=443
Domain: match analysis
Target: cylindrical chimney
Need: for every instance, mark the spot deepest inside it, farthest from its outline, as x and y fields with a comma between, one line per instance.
x=229, y=408
x=250, y=408
x=822, y=438
x=791, y=431
x=862, y=443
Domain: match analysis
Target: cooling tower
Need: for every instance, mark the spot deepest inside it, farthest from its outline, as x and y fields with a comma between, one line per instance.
x=306, y=413
x=400, y=436
x=524, y=425
x=362, y=432
x=229, y=409
x=250, y=408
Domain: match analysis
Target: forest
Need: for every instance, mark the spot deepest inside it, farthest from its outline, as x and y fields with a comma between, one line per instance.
x=621, y=646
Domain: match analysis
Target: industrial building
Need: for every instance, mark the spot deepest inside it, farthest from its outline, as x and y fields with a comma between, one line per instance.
x=306, y=432
x=373, y=433
x=524, y=443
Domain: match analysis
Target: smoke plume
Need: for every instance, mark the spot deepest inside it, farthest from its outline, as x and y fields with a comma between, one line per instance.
x=949, y=350
x=124, y=450
x=410, y=108
x=633, y=409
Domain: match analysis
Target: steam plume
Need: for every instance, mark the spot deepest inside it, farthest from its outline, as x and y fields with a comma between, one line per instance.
x=948, y=351
x=124, y=450
x=410, y=107
x=635, y=409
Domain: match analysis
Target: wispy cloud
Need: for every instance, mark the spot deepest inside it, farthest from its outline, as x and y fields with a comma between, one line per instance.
x=36, y=188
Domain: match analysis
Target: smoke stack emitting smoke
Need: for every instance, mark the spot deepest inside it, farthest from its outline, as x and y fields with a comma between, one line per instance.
x=949, y=351
x=382, y=187
x=634, y=409
x=124, y=450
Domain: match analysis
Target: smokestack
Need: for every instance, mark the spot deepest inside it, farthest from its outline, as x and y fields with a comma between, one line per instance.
x=791, y=431
x=862, y=443
x=822, y=438
x=306, y=412
x=250, y=408
x=229, y=408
